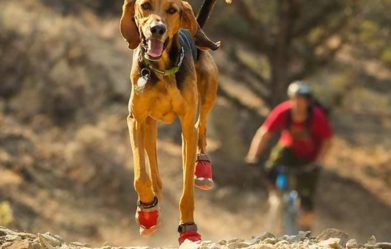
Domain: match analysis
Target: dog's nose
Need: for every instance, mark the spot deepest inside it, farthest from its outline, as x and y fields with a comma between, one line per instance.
x=158, y=29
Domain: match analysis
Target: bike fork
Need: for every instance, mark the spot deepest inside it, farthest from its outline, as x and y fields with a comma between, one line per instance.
x=291, y=204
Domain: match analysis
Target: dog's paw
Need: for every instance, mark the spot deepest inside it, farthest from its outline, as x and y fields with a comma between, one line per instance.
x=203, y=173
x=192, y=236
x=147, y=216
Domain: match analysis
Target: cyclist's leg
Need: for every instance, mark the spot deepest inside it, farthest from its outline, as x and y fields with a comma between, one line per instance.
x=307, y=190
x=270, y=175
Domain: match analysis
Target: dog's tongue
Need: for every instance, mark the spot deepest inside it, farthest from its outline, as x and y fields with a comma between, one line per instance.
x=155, y=48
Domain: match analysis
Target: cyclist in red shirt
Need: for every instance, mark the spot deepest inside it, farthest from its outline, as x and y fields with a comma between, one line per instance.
x=305, y=139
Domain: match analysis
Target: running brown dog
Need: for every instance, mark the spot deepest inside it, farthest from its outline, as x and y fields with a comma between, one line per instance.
x=172, y=71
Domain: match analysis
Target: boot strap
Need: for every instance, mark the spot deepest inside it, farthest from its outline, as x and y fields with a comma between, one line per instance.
x=202, y=157
x=148, y=206
x=189, y=227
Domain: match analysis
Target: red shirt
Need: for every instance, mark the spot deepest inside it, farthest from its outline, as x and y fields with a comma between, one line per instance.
x=304, y=139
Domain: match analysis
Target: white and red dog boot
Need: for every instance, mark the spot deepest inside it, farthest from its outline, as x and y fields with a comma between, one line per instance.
x=203, y=173
x=147, y=216
x=188, y=232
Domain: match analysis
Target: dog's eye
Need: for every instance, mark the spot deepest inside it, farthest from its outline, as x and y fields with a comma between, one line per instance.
x=146, y=6
x=172, y=11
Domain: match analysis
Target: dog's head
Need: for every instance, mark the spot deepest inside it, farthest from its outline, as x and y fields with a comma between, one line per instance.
x=155, y=22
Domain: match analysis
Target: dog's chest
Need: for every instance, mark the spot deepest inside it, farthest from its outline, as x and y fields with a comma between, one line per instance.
x=164, y=105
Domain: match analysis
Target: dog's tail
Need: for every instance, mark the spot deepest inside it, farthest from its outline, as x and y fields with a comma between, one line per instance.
x=205, y=11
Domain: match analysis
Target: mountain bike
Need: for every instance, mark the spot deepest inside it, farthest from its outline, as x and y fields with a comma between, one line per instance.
x=287, y=183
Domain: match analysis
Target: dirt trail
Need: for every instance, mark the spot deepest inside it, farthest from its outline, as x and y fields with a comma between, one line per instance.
x=96, y=203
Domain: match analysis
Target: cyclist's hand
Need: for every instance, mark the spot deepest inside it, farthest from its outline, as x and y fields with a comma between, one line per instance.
x=251, y=160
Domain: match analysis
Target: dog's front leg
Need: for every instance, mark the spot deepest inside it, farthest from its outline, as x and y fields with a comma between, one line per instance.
x=189, y=145
x=187, y=228
x=150, y=148
x=142, y=181
x=147, y=211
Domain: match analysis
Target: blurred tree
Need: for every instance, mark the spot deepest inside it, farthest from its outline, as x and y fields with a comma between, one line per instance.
x=374, y=33
x=294, y=37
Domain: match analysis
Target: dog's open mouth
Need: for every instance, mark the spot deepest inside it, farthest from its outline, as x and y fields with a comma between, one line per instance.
x=155, y=48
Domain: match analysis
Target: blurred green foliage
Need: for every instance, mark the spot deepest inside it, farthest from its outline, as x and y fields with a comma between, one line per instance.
x=6, y=214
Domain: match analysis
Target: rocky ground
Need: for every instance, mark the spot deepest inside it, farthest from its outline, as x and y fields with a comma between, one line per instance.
x=330, y=238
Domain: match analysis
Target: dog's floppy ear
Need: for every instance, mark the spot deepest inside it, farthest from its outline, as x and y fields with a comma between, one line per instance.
x=128, y=25
x=189, y=22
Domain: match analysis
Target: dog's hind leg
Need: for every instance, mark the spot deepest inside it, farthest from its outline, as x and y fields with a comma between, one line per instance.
x=147, y=212
x=150, y=139
x=207, y=89
x=206, y=103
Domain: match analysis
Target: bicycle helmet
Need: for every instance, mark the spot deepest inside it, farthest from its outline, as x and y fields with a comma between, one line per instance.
x=299, y=88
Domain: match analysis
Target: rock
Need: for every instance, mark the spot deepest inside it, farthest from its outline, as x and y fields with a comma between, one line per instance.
x=372, y=240
x=58, y=237
x=6, y=245
x=27, y=235
x=270, y=241
x=5, y=231
x=289, y=238
x=262, y=246
x=189, y=245
x=254, y=240
x=302, y=235
x=22, y=244
x=12, y=237
x=52, y=239
x=237, y=244
x=265, y=235
x=79, y=244
x=331, y=243
x=383, y=245
x=352, y=243
x=35, y=245
x=281, y=244
x=64, y=247
x=107, y=244
x=48, y=241
x=222, y=242
x=333, y=233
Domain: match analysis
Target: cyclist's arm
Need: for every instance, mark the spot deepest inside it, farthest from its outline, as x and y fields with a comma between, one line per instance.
x=324, y=149
x=258, y=145
x=274, y=122
x=325, y=133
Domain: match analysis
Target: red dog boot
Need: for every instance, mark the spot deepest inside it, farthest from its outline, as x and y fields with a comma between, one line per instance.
x=147, y=216
x=203, y=178
x=188, y=232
